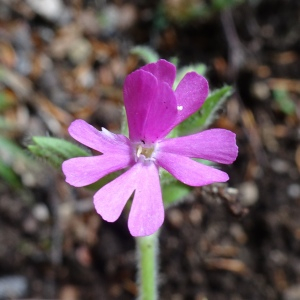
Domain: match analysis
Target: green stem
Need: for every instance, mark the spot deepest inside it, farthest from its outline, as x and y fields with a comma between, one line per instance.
x=147, y=250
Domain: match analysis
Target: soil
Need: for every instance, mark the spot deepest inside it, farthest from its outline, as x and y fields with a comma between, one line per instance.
x=235, y=241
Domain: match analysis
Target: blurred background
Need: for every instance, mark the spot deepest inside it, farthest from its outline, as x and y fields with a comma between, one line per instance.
x=67, y=59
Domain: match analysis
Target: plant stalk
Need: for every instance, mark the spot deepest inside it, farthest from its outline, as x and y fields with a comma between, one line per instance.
x=147, y=255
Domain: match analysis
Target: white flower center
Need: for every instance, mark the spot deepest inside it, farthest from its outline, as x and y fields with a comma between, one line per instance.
x=145, y=152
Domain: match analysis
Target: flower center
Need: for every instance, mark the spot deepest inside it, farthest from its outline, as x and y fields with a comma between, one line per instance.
x=145, y=151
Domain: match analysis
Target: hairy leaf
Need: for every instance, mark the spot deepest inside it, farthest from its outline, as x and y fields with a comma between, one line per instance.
x=206, y=114
x=145, y=53
x=54, y=150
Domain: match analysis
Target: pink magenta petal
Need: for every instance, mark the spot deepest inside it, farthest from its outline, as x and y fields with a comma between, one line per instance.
x=190, y=93
x=102, y=141
x=162, y=70
x=110, y=200
x=147, y=210
x=161, y=115
x=150, y=107
x=217, y=145
x=188, y=171
x=81, y=171
x=140, y=88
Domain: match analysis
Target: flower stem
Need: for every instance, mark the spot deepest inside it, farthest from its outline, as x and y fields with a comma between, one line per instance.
x=147, y=250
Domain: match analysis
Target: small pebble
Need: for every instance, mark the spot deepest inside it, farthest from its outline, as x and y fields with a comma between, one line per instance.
x=249, y=193
x=195, y=215
x=49, y=9
x=41, y=212
x=200, y=297
x=293, y=190
x=69, y=292
x=177, y=297
x=280, y=166
x=175, y=217
x=13, y=287
x=278, y=258
x=292, y=293
x=261, y=90
x=80, y=51
x=237, y=231
x=30, y=225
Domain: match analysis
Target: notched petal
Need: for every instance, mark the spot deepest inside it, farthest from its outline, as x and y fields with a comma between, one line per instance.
x=140, y=90
x=163, y=70
x=189, y=171
x=110, y=200
x=147, y=210
x=150, y=106
x=218, y=145
x=190, y=93
x=102, y=141
x=82, y=171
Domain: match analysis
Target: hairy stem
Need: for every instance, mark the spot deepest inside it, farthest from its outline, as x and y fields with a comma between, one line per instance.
x=147, y=250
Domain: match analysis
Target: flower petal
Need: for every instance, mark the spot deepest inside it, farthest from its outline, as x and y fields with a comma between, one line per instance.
x=162, y=70
x=81, y=171
x=102, y=141
x=189, y=171
x=147, y=210
x=217, y=145
x=190, y=93
x=150, y=106
x=110, y=200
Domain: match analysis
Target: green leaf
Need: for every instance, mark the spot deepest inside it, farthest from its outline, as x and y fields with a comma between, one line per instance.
x=165, y=177
x=284, y=101
x=5, y=101
x=175, y=61
x=207, y=113
x=6, y=126
x=12, y=154
x=124, y=123
x=224, y=4
x=174, y=192
x=145, y=53
x=9, y=175
x=15, y=162
x=54, y=150
x=103, y=181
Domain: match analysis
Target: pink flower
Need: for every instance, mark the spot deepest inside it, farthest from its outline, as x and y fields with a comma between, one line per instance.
x=153, y=110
